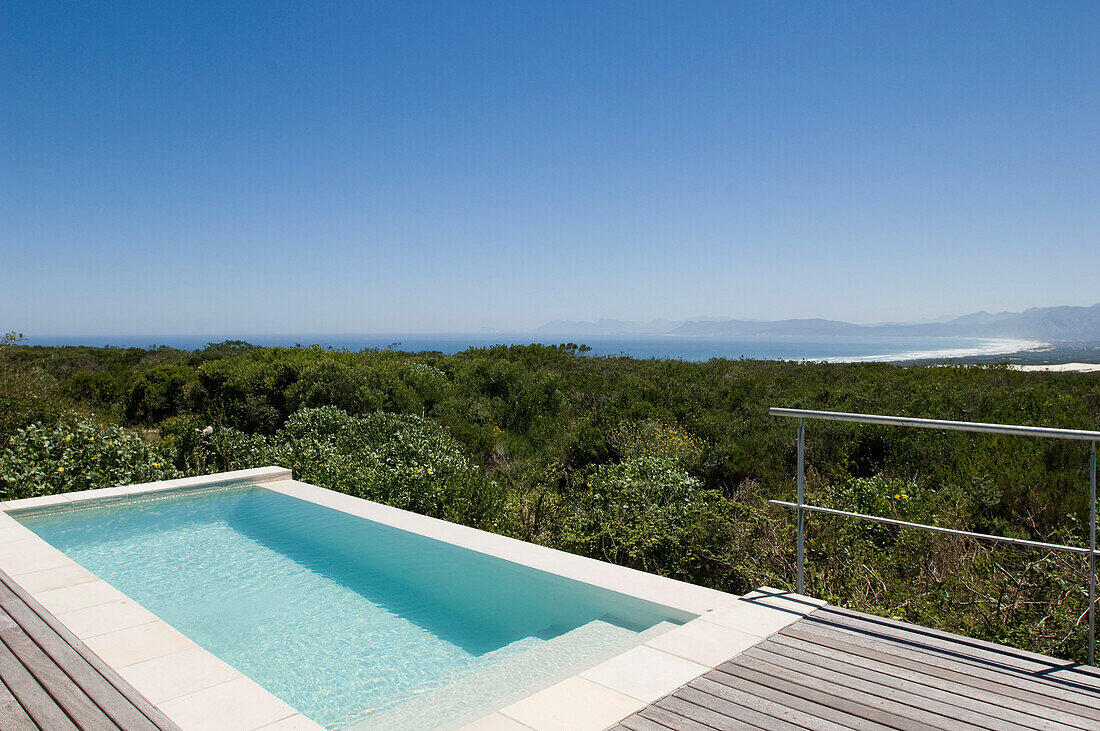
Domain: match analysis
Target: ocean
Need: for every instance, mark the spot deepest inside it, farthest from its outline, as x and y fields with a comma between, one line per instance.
x=662, y=347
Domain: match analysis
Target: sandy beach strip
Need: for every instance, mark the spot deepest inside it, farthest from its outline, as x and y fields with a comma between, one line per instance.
x=988, y=346
x=1061, y=367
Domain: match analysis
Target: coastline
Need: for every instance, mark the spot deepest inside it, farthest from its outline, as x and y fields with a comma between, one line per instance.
x=1059, y=368
x=662, y=346
x=988, y=348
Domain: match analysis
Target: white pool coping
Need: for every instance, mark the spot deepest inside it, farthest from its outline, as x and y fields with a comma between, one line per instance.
x=196, y=690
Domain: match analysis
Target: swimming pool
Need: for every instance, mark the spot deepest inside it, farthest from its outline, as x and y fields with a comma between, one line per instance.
x=355, y=623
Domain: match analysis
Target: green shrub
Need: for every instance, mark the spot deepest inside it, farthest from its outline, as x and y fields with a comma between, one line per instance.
x=99, y=390
x=179, y=438
x=27, y=393
x=650, y=438
x=257, y=390
x=77, y=455
x=408, y=462
x=231, y=449
x=646, y=512
x=161, y=392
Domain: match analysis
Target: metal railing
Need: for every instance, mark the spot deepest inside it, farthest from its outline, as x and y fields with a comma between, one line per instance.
x=1028, y=431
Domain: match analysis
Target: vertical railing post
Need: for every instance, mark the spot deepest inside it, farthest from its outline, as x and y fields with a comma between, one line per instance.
x=800, y=556
x=1092, y=555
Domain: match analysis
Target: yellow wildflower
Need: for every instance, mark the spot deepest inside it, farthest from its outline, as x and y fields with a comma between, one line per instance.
x=60, y=469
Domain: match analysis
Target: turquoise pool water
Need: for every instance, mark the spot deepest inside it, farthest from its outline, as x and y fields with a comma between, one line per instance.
x=354, y=623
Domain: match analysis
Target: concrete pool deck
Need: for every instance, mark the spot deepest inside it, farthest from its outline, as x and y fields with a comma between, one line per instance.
x=196, y=690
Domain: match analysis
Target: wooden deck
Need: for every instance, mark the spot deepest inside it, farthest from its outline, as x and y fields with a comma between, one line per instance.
x=50, y=680
x=838, y=669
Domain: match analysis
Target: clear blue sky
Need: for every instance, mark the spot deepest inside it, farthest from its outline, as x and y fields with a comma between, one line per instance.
x=332, y=167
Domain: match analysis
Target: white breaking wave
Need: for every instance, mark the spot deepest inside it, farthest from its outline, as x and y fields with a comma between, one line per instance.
x=988, y=347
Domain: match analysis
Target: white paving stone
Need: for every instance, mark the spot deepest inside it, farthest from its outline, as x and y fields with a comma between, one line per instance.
x=104, y=618
x=704, y=642
x=14, y=532
x=297, y=722
x=78, y=596
x=30, y=554
x=575, y=704
x=237, y=705
x=68, y=575
x=761, y=620
x=237, y=477
x=171, y=676
x=41, y=501
x=138, y=643
x=97, y=494
x=645, y=673
x=495, y=722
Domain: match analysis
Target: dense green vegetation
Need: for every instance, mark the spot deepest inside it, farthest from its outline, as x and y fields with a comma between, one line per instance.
x=664, y=466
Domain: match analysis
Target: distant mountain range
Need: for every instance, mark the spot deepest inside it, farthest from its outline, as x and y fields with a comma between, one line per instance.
x=1071, y=324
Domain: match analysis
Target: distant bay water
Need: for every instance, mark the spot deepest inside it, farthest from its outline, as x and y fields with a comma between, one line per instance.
x=663, y=347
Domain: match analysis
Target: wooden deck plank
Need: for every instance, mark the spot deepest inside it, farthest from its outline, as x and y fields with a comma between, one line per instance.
x=1084, y=673
x=1054, y=689
x=641, y=723
x=708, y=716
x=885, y=703
x=99, y=691
x=12, y=715
x=741, y=685
x=672, y=720
x=24, y=688
x=60, y=687
x=1026, y=709
x=113, y=696
x=835, y=669
x=1010, y=684
x=952, y=708
x=820, y=694
x=976, y=651
x=768, y=708
x=739, y=711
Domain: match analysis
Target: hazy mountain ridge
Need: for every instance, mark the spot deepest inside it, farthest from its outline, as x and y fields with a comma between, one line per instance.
x=1065, y=323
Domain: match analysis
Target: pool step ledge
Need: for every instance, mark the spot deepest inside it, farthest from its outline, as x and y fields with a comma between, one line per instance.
x=606, y=694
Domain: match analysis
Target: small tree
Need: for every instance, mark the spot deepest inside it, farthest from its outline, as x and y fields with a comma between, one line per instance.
x=27, y=394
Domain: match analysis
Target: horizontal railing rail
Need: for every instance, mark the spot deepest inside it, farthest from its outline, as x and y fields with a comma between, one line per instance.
x=969, y=426
x=936, y=528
